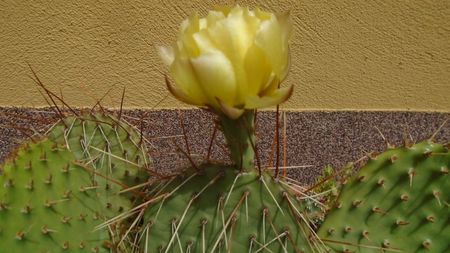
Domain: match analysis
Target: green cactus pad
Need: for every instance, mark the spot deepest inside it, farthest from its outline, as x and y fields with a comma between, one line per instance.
x=399, y=202
x=49, y=204
x=113, y=149
x=60, y=194
x=223, y=210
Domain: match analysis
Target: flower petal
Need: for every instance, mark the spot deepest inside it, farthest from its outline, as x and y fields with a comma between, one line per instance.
x=271, y=85
x=166, y=54
x=216, y=76
x=180, y=94
x=231, y=112
x=186, y=80
x=257, y=69
x=213, y=17
x=204, y=42
x=186, y=44
x=270, y=38
x=277, y=97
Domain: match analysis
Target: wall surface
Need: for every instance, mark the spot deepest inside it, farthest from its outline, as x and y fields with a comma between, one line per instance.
x=346, y=55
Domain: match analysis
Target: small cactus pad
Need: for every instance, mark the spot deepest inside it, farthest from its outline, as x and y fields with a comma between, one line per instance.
x=49, y=204
x=114, y=150
x=220, y=209
x=399, y=202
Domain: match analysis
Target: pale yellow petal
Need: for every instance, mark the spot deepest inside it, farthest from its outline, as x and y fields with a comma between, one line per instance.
x=181, y=95
x=203, y=23
x=270, y=39
x=186, y=44
x=230, y=111
x=186, y=80
x=225, y=10
x=234, y=36
x=272, y=84
x=285, y=21
x=166, y=54
x=231, y=36
x=213, y=17
x=262, y=15
x=277, y=97
x=204, y=42
x=257, y=69
x=216, y=76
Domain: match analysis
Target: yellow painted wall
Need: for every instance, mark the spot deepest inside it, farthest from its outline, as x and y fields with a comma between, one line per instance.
x=346, y=54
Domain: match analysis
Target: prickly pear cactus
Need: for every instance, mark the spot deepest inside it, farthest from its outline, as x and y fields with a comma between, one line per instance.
x=399, y=202
x=48, y=203
x=219, y=209
x=59, y=194
x=112, y=148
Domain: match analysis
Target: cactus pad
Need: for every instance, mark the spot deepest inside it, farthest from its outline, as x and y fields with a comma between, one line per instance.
x=56, y=195
x=399, y=202
x=113, y=149
x=223, y=210
x=49, y=204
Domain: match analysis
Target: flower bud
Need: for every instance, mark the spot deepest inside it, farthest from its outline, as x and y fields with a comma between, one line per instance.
x=231, y=60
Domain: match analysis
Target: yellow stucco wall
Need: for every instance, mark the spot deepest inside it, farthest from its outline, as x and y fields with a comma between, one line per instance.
x=346, y=54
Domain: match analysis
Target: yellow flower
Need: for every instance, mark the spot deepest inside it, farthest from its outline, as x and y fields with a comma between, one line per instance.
x=231, y=60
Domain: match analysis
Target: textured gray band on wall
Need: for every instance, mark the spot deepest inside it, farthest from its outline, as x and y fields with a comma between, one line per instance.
x=314, y=139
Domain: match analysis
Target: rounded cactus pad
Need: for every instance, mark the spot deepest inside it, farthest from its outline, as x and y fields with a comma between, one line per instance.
x=399, y=202
x=49, y=204
x=112, y=148
x=68, y=192
x=219, y=209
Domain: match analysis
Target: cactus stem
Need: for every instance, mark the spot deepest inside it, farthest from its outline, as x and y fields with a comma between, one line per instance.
x=240, y=136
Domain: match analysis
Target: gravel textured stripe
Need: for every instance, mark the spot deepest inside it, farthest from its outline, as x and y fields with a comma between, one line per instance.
x=314, y=139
